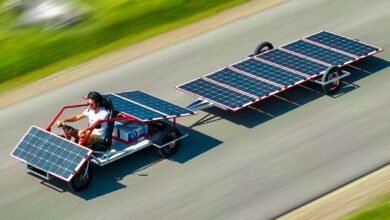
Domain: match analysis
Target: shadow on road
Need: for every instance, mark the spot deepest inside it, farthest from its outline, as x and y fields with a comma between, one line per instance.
x=293, y=98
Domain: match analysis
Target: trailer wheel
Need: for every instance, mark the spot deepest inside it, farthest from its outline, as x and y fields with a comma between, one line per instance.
x=167, y=136
x=82, y=179
x=262, y=47
x=331, y=73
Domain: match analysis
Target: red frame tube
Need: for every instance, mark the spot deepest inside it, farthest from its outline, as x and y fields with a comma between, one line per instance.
x=124, y=117
x=60, y=112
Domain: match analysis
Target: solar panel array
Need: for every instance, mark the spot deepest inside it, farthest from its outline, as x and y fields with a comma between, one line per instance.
x=341, y=43
x=219, y=94
x=145, y=107
x=319, y=53
x=268, y=73
x=245, y=83
x=51, y=153
x=293, y=62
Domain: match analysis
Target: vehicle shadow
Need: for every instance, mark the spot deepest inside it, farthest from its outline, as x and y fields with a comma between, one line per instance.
x=293, y=98
x=107, y=179
x=196, y=144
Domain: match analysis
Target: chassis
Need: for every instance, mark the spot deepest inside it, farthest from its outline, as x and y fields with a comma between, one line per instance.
x=162, y=134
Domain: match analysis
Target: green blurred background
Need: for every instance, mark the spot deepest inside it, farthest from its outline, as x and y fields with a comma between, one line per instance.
x=32, y=52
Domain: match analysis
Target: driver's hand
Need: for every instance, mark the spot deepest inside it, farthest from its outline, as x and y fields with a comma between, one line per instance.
x=81, y=132
x=60, y=123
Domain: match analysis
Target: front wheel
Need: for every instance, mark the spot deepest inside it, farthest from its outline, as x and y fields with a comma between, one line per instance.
x=169, y=135
x=330, y=74
x=82, y=179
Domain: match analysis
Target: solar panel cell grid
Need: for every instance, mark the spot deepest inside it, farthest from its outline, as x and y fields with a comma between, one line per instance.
x=318, y=53
x=342, y=43
x=216, y=93
x=50, y=153
x=155, y=103
x=244, y=83
x=133, y=109
x=293, y=62
x=269, y=72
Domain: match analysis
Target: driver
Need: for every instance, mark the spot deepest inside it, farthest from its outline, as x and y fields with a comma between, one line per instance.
x=94, y=112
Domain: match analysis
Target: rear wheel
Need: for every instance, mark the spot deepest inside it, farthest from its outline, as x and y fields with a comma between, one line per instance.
x=330, y=74
x=167, y=136
x=261, y=48
x=82, y=179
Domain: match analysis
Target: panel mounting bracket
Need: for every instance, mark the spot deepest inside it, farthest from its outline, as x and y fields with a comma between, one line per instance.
x=199, y=105
x=43, y=174
x=345, y=74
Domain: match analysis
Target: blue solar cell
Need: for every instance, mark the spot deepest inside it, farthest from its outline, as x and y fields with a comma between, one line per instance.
x=318, y=53
x=216, y=93
x=342, y=43
x=50, y=153
x=243, y=82
x=293, y=62
x=269, y=72
x=130, y=108
x=155, y=103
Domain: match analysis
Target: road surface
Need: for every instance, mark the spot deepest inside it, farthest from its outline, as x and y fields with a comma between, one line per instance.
x=255, y=164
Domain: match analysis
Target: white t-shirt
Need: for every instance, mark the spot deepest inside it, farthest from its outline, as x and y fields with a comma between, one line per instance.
x=102, y=114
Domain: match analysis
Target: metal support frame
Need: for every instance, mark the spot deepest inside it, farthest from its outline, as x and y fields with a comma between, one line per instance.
x=345, y=74
x=177, y=139
x=86, y=170
x=98, y=155
x=200, y=104
x=38, y=172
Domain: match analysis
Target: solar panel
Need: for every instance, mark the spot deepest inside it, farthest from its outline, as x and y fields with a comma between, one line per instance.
x=293, y=62
x=51, y=153
x=319, y=53
x=272, y=71
x=133, y=109
x=342, y=43
x=216, y=93
x=243, y=82
x=269, y=72
x=155, y=103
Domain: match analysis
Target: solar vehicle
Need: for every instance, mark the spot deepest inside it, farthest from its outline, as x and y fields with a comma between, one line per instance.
x=136, y=120
x=318, y=58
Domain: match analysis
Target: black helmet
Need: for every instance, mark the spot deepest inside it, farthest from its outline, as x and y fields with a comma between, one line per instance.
x=95, y=96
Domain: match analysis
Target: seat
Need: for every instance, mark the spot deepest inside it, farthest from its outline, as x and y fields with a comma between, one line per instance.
x=112, y=113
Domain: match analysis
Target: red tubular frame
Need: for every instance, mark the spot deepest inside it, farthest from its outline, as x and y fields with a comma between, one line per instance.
x=112, y=120
x=60, y=112
x=122, y=117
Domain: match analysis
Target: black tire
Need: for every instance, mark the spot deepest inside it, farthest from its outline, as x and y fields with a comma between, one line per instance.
x=167, y=136
x=261, y=48
x=82, y=179
x=331, y=73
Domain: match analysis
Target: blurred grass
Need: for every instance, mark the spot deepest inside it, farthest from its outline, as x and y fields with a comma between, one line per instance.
x=30, y=53
x=380, y=210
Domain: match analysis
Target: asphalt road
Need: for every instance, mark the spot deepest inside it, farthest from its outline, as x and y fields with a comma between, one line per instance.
x=255, y=164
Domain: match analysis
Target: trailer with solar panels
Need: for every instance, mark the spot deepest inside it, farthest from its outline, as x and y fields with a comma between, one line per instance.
x=319, y=58
x=136, y=120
